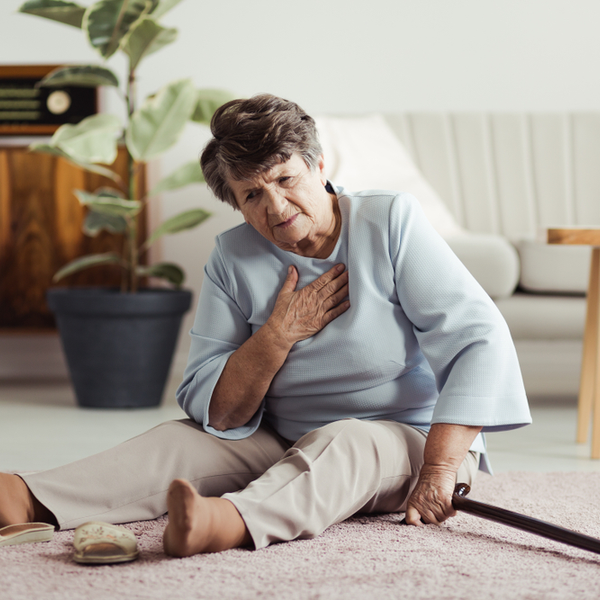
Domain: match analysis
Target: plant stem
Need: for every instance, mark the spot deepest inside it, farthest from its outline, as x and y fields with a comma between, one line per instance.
x=124, y=271
x=133, y=194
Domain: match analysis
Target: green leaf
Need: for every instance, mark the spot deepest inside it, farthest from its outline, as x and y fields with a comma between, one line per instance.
x=185, y=220
x=184, y=175
x=47, y=149
x=55, y=10
x=95, y=222
x=158, y=123
x=85, y=262
x=83, y=76
x=163, y=7
x=107, y=22
x=93, y=140
x=168, y=271
x=109, y=205
x=207, y=102
x=145, y=37
x=109, y=191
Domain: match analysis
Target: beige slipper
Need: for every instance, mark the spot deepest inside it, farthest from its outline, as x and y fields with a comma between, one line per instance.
x=100, y=543
x=25, y=533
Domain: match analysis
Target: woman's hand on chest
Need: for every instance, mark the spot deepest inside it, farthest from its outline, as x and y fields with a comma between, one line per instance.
x=300, y=314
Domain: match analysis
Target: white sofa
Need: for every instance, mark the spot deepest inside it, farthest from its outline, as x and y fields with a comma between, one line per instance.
x=503, y=178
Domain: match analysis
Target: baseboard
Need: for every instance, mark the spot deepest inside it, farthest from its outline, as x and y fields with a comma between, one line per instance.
x=31, y=356
x=550, y=368
x=26, y=357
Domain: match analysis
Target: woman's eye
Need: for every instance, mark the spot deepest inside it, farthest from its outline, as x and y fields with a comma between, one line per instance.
x=250, y=196
x=285, y=180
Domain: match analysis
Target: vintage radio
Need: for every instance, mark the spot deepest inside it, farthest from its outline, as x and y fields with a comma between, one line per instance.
x=26, y=109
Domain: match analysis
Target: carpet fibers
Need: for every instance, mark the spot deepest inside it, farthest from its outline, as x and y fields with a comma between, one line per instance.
x=362, y=558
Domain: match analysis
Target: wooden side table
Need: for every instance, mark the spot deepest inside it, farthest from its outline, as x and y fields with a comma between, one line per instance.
x=589, y=389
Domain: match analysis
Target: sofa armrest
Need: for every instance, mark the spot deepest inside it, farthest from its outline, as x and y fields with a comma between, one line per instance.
x=491, y=259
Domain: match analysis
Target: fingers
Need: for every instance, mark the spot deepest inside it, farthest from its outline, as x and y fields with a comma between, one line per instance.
x=336, y=311
x=340, y=294
x=333, y=297
x=332, y=287
x=329, y=283
x=327, y=291
x=332, y=279
x=432, y=514
x=289, y=285
x=412, y=516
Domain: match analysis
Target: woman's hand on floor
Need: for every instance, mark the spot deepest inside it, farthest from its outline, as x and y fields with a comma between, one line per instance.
x=431, y=500
x=445, y=449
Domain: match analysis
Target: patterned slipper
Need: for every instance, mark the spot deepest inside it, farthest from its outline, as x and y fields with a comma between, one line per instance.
x=100, y=543
x=25, y=533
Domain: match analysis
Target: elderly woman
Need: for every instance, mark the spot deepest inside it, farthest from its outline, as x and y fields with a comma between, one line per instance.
x=343, y=360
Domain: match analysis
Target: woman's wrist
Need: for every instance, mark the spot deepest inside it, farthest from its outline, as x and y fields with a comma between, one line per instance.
x=447, y=445
x=276, y=337
x=439, y=471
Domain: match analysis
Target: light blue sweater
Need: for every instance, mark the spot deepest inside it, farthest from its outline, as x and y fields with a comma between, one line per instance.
x=422, y=342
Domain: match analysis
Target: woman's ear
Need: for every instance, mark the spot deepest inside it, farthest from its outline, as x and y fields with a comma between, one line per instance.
x=321, y=169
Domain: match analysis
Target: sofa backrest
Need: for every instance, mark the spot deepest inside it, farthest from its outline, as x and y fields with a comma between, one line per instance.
x=510, y=174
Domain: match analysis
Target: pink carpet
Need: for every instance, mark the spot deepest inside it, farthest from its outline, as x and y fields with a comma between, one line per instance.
x=365, y=557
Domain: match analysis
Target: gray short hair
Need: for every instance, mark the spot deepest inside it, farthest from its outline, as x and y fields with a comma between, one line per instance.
x=251, y=136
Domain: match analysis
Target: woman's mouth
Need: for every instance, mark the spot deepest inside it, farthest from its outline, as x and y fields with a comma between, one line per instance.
x=287, y=223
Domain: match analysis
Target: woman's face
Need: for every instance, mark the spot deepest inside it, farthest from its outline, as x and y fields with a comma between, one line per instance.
x=289, y=206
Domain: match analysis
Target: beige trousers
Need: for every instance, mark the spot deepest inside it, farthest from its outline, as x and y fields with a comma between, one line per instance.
x=283, y=491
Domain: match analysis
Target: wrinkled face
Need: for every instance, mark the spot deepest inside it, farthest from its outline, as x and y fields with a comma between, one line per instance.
x=289, y=206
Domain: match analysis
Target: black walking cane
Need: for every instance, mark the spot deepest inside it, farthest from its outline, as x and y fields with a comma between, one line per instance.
x=513, y=519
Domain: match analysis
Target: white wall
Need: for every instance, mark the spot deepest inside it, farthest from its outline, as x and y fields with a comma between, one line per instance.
x=348, y=56
x=343, y=57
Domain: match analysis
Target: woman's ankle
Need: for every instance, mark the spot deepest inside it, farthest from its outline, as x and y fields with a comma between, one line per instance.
x=41, y=514
x=233, y=522
x=16, y=501
x=18, y=504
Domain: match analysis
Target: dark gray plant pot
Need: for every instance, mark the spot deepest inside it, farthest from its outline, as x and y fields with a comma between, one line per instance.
x=119, y=347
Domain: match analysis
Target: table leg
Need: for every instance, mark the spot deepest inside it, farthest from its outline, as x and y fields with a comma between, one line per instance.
x=589, y=394
x=596, y=394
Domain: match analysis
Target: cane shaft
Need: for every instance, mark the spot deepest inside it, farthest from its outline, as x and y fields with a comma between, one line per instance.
x=513, y=519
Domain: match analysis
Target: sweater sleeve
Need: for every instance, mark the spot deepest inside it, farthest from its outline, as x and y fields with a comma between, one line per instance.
x=458, y=327
x=220, y=328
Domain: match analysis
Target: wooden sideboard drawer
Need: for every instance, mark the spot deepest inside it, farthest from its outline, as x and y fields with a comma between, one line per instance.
x=40, y=231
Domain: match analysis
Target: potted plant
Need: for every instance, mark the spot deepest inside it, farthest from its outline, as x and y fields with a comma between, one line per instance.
x=119, y=343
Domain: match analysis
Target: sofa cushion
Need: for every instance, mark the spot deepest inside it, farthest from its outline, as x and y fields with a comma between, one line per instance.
x=544, y=316
x=363, y=153
x=553, y=268
x=491, y=259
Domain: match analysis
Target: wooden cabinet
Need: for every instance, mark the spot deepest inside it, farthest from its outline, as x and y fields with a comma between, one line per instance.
x=40, y=231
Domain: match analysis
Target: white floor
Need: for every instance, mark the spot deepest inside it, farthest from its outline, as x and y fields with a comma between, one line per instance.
x=41, y=427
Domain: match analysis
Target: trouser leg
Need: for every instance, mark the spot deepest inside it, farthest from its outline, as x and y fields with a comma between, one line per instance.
x=130, y=481
x=332, y=473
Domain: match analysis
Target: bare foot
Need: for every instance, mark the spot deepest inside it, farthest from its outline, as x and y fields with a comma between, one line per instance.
x=198, y=524
x=16, y=503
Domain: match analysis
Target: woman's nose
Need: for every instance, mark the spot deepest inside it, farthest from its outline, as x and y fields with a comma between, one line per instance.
x=276, y=202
